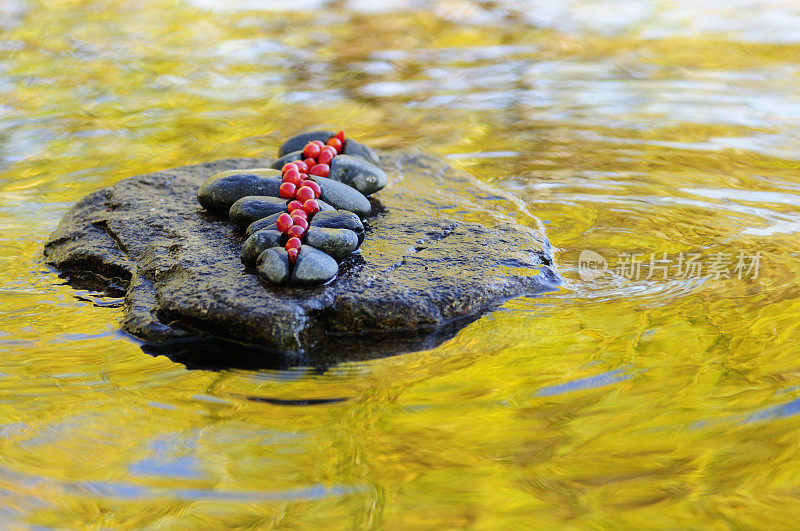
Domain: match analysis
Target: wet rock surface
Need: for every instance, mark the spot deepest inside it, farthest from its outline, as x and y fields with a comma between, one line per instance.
x=420, y=276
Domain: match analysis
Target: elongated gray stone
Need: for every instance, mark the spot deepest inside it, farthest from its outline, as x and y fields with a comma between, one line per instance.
x=339, y=243
x=343, y=197
x=364, y=176
x=289, y=157
x=298, y=142
x=357, y=149
x=254, y=207
x=263, y=223
x=258, y=243
x=340, y=219
x=273, y=265
x=220, y=191
x=313, y=267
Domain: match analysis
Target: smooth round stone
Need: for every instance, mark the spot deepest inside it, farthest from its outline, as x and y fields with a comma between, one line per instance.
x=254, y=207
x=285, y=159
x=263, y=223
x=339, y=243
x=313, y=267
x=364, y=176
x=273, y=265
x=257, y=244
x=340, y=219
x=357, y=149
x=220, y=191
x=343, y=197
x=298, y=142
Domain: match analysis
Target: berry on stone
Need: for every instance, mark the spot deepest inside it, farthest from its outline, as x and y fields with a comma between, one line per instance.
x=304, y=193
x=340, y=136
x=284, y=222
x=326, y=156
x=311, y=150
x=292, y=176
x=289, y=166
x=320, y=170
x=314, y=186
x=296, y=231
x=301, y=222
x=293, y=243
x=302, y=167
x=299, y=213
x=311, y=207
x=310, y=163
x=292, y=254
x=294, y=205
x=287, y=190
x=335, y=143
x=319, y=143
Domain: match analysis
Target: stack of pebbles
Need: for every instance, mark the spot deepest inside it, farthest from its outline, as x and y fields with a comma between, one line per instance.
x=304, y=215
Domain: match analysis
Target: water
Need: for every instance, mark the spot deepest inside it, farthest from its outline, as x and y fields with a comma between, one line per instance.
x=628, y=127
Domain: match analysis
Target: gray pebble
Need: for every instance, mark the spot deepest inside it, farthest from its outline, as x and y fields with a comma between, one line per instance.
x=343, y=197
x=313, y=267
x=258, y=243
x=254, y=207
x=339, y=243
x=364, y=176
x=263, y=223
x=357, y=149
x=273, y=265
x=220, y=191
x=340, y=219
x=289, y=157
x=298, y=142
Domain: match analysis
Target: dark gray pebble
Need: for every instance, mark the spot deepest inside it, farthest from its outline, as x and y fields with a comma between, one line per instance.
x=340, y=219
x=258, y=243
x=220, y=191
x=298, y=142
x=357, y=149
x=313, y=267
x=254, y=207
x=273, y=265
x=289, y=157
x=339, y=243
x=343, y=197
x=263, y=223
x=362, y=175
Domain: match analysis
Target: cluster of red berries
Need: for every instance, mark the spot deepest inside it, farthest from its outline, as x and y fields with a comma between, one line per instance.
x=299, y=187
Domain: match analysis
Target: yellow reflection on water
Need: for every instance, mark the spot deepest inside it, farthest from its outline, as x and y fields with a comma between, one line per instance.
x=620, y=402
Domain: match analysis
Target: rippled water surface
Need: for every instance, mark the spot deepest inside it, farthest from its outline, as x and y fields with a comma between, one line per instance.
x=645, y=397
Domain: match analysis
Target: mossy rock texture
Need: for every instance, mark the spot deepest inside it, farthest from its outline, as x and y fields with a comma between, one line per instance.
x=422, y=272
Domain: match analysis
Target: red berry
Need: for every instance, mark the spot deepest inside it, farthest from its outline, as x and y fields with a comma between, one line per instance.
x=292, y=254
x=284, y=222
x=293, y=243
x=311, y=207
x=304, y=193
x=287, y=190
x=288, y=166
x=340, y=136
x=310, y=163
x=294, y=205
x=326, y=157
x=298, y=213
x=292, y=176
x=319, y=143
x=311, y=150
x=302, y=167
x=335, y=143
x=296, y=231
x=314, y=186
x=300, y=222
x=320, y=170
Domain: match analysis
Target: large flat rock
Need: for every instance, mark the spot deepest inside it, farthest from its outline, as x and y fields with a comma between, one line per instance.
x=424, y=270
